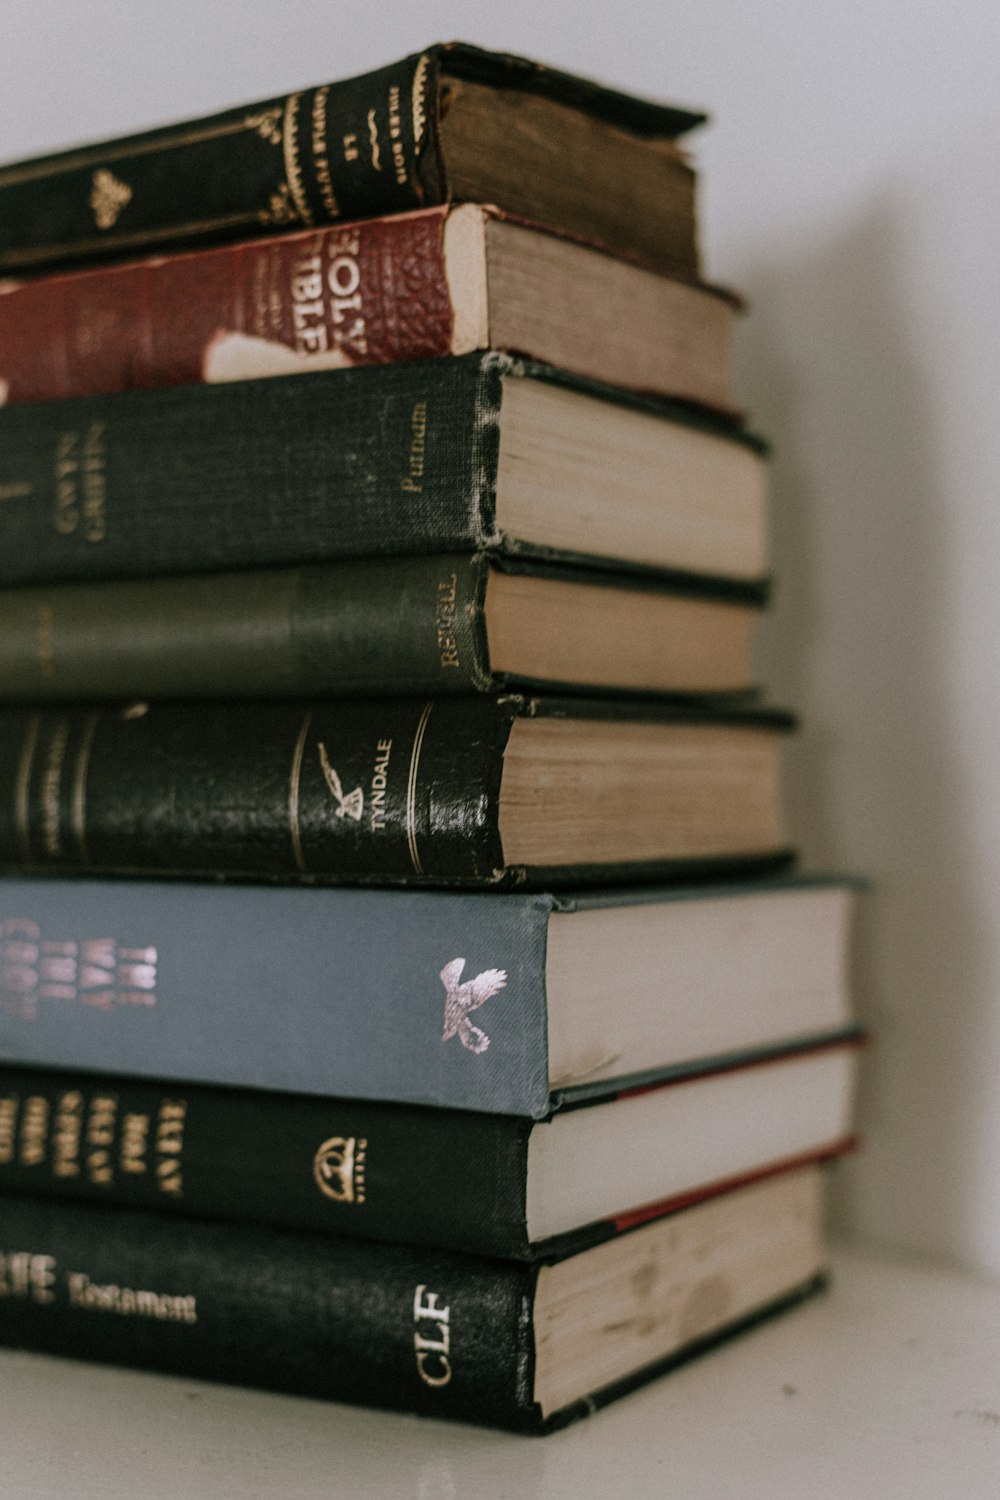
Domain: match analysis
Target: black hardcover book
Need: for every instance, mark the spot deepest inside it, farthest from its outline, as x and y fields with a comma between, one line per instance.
x=452, y=122
x=463, y=791
x=528, y=1347
x=491, y=1184
x=480, y=452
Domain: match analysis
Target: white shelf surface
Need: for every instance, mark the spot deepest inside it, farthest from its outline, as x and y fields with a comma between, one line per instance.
x=889, y=1386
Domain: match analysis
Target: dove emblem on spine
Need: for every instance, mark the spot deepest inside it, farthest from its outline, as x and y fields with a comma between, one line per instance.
x=459, y=999
x=351, y=806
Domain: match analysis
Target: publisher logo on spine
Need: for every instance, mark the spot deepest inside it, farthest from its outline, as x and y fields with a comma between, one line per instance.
x=460, y=999
x=339, y=1168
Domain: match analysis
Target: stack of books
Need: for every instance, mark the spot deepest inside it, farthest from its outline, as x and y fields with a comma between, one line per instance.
x=388, y=541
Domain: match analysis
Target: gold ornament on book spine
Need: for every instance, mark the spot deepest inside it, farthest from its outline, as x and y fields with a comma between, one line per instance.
x=22, y=784
x=267, y=124
x=373, y=139
x=108, y=196
x=293, y=793
x=339, y=1169
x=80, y=788
x=419, y=102
x=293, y=169
x=411, y=791
x=280, y=208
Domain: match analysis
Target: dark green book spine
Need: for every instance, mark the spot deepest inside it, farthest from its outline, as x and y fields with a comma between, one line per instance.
x=344, y=1167
x=352, y=149
x=382, y=790
x=392, y=626
x=372, y=461
x=387, y=1325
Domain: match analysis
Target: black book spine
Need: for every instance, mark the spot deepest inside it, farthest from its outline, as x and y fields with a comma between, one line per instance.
x=356, y=790
x=372, y=461
x=360, y=147
x=385, y=1325
x=393, y=626
x=342, y=1167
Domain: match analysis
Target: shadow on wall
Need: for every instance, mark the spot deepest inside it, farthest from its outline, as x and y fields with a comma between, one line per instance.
x=857, y=644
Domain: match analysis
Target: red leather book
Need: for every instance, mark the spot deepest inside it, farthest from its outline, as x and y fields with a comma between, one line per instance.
x=412, y=286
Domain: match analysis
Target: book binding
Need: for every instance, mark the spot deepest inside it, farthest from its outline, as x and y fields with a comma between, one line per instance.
x=413, y=1329
x=387, y=791
x=342, y=1167
x=200, y=983
x=388, y=460
x=362, y=146
x=396, y=626
x=353, y=149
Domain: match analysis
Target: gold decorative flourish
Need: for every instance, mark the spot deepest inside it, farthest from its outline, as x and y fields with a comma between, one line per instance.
x=80, y=788
x=108, y=196
x=293, y=170
x=293, y=793
x=411, y=791
x=267, y=124
x=373, y=137
x=419, y=105
x=22, y=784
x=280, y=208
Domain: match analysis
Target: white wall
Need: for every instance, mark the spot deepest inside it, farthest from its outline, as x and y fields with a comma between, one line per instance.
x=851, y=188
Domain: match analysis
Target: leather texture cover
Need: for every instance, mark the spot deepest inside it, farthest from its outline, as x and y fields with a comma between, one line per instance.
x=384, y=1325
x=363, y=146
x=347, y=150
x=418, y=1330
x=369, y=293
x=375, y=291
x=401, y=790
x=394, y=459
x=389, y=460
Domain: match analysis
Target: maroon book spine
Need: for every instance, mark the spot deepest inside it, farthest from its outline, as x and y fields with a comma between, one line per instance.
x=363, y=293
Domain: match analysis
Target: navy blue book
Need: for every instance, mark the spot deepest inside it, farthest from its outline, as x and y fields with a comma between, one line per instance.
x=496, y=1003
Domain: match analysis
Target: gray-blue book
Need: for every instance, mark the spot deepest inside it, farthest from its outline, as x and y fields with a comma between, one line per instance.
x=511, y=1004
